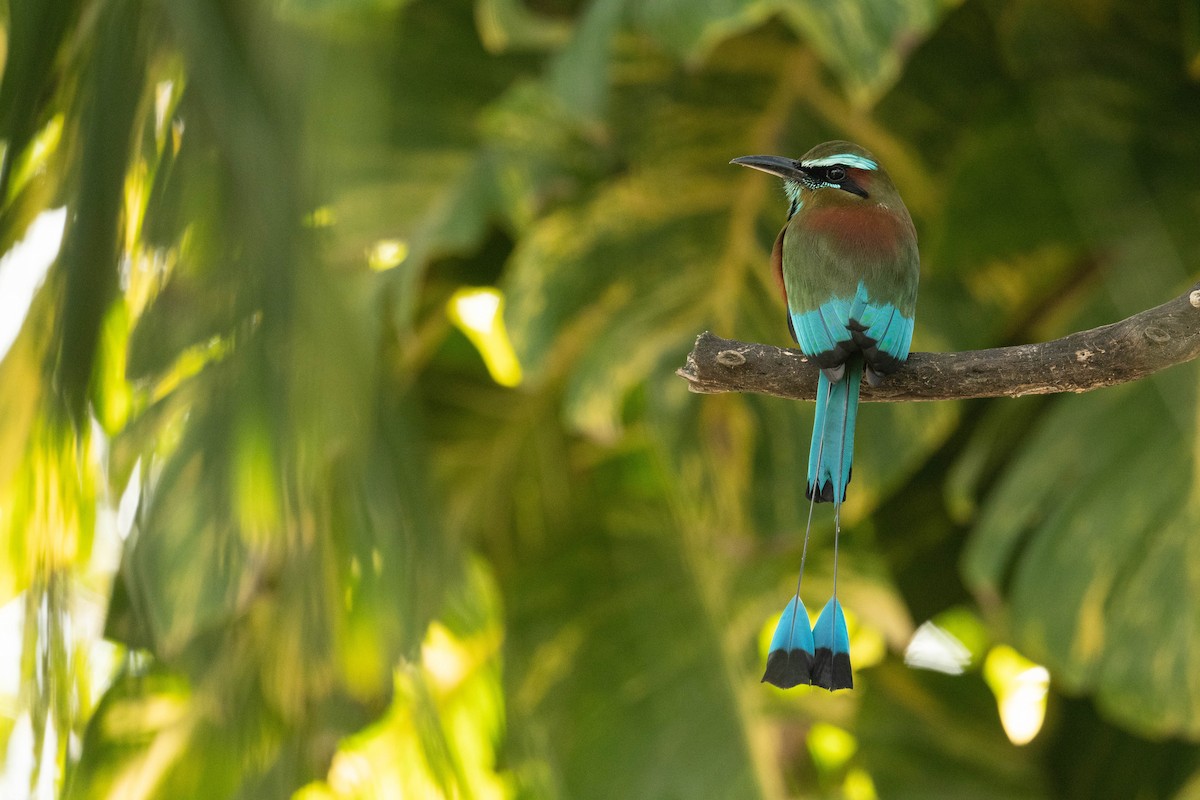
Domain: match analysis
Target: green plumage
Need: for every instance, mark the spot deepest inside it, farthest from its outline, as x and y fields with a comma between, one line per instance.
x=837, y=239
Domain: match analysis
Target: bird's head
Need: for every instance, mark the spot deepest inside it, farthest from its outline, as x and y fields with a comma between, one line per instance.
x=835, y=172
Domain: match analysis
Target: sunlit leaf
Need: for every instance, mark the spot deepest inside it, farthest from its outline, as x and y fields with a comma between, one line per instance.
x=35, y=32
x=110, y=99
x=257, y=358
x=505, y=24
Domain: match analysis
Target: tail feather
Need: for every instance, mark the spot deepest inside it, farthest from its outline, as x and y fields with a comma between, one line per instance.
x=832, y=449
x=831, y=652
x=789, y=662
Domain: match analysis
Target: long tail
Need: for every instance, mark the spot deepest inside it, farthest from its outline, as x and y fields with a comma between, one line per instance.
x=821, y=656
x=831, y=641
x=790, y=658
x=832, y=449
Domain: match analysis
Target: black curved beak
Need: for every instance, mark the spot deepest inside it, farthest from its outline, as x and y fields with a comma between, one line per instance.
x=785, y=168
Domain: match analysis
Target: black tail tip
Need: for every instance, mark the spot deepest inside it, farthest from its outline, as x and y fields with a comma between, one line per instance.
x=786, y=669
x=826, y=493
x=831, y=670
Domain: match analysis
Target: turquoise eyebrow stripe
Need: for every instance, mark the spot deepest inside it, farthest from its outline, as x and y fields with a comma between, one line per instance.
x=845, y=159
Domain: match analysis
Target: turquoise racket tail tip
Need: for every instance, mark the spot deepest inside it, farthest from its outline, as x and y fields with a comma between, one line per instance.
x=831, y=653
x=790, y=660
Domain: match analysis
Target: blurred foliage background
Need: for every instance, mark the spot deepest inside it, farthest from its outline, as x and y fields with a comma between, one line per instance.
x=341, y=454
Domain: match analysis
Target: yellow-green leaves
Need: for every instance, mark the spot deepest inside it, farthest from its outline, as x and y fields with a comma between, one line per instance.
x=365, y=322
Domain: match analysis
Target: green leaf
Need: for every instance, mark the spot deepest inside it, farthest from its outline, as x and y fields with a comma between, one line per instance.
x=110, y=101
x=1087, y=533
x=1088, y=756
x=600, y=646
x=1092, y=521
x=35, y=31
x=505, y=24
x=923, y=734
x=405, y=148
x=865, y=44
x=580, y=74
x=319, y=445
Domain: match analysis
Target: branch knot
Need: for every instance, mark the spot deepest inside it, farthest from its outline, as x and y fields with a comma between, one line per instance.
x=731, y=358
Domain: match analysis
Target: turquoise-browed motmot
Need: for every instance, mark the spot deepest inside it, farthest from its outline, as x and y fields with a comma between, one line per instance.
x=848, y=265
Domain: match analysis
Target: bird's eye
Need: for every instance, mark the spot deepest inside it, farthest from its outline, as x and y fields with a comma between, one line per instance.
x=835, y=174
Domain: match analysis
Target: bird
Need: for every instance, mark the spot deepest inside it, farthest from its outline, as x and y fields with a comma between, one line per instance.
x=848, y=265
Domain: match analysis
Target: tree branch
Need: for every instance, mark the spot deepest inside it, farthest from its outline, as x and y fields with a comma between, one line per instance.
x=1123, y=351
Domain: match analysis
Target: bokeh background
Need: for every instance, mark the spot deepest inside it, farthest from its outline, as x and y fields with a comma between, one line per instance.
x=341, y=453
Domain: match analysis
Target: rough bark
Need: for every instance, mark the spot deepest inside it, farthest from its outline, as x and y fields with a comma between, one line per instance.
x=1123, y=351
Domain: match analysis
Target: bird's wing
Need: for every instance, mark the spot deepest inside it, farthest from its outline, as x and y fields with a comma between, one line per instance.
x=777, y=271
x=840, y=302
